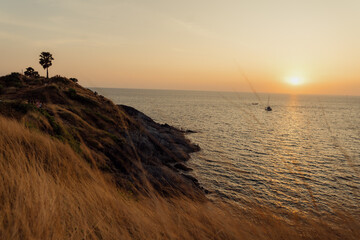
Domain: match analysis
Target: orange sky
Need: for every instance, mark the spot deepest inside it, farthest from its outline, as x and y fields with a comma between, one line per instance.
x=198, y=44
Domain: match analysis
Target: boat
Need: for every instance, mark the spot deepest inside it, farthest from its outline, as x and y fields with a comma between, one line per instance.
x=268, y=108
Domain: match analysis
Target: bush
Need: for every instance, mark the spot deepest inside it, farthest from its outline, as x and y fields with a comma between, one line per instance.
x=58, y=78
x=74, y=80
x=36, y=74
x=74, y=96
x=30, y=72
x=12, y=80
x=71, y=93
x=21, y=107
x=15, y=74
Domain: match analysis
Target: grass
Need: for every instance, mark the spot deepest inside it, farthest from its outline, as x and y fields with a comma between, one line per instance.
x=58, y=130
x=47, y=191
x=71, y=93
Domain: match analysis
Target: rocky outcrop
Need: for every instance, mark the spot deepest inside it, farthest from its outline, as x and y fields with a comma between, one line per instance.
x=135, y=151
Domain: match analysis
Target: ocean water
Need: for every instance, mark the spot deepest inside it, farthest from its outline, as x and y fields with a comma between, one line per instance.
x=303, y=156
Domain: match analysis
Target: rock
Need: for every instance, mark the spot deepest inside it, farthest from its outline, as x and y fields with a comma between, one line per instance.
x=182, y=167
x=190, y=131
x=191, y=178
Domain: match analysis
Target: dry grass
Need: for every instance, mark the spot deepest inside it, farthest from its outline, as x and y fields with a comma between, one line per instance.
x=48, y=192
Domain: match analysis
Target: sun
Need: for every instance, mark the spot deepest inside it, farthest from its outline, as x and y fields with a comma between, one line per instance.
x=295, y=80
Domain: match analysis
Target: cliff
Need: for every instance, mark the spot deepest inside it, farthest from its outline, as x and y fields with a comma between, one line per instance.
x=136, y=152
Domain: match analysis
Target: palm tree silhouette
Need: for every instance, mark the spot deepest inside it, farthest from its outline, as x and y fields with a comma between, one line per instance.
x=45, y=61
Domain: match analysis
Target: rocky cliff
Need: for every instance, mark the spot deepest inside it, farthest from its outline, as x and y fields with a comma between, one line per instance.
x=133, y=150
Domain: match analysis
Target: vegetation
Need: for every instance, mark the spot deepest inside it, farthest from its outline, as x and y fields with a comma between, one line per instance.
x=46, y=61
x=71, y=92
x=11, y=80
x=30, y=72
x=74, y=80
x=55, y=126
x=60, y=79
x=20, y=107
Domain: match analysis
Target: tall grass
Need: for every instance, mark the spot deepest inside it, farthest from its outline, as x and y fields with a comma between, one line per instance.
x=48, y=192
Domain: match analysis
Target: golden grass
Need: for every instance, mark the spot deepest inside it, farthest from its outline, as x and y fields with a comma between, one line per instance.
x=48, y=192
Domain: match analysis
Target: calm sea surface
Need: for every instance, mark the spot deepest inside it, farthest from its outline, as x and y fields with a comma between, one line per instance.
x=302, y=156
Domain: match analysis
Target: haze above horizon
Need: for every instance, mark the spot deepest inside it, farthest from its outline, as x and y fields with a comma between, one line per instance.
x=302, y=47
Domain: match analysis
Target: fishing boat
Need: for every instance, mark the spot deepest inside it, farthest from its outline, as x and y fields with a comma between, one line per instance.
x=268, y=108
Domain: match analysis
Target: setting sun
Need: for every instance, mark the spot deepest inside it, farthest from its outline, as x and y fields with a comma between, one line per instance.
x=295, y=81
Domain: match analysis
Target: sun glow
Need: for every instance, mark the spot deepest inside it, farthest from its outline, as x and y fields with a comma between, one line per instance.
x=295, y=81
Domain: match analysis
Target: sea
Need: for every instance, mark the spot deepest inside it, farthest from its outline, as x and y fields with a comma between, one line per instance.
x=303, y=156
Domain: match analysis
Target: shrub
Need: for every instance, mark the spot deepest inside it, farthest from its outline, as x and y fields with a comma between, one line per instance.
x=71, y=93
x=30, y=72
x=15, y=74
x=36, y=74
x=84, y=100
x=74, y=80
x=12, y=80
x=58, y=78
x=21, y=107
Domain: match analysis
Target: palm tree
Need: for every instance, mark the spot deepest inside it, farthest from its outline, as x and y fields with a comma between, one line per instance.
x=45, y=61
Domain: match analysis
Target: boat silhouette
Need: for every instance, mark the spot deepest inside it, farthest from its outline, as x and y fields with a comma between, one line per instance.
x=268, y=108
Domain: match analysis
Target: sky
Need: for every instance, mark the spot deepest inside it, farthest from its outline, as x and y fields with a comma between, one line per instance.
x=278, y=46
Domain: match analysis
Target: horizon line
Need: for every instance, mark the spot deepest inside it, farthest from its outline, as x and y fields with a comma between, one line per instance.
x=225, y=91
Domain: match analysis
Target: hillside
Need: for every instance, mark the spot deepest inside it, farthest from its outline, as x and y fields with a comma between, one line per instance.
x=119, y=140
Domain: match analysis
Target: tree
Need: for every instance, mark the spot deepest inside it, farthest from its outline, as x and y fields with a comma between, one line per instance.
x=36, y=74
x=30, y=72
x=45, y=61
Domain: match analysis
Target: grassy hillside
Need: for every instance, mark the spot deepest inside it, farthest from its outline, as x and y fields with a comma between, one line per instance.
x=118, y=140
x=62, y=184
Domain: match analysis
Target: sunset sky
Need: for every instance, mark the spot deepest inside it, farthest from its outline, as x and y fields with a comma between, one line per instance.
x=282, y=46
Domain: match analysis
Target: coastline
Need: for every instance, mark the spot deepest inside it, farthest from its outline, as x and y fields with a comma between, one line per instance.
x=117, y=139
